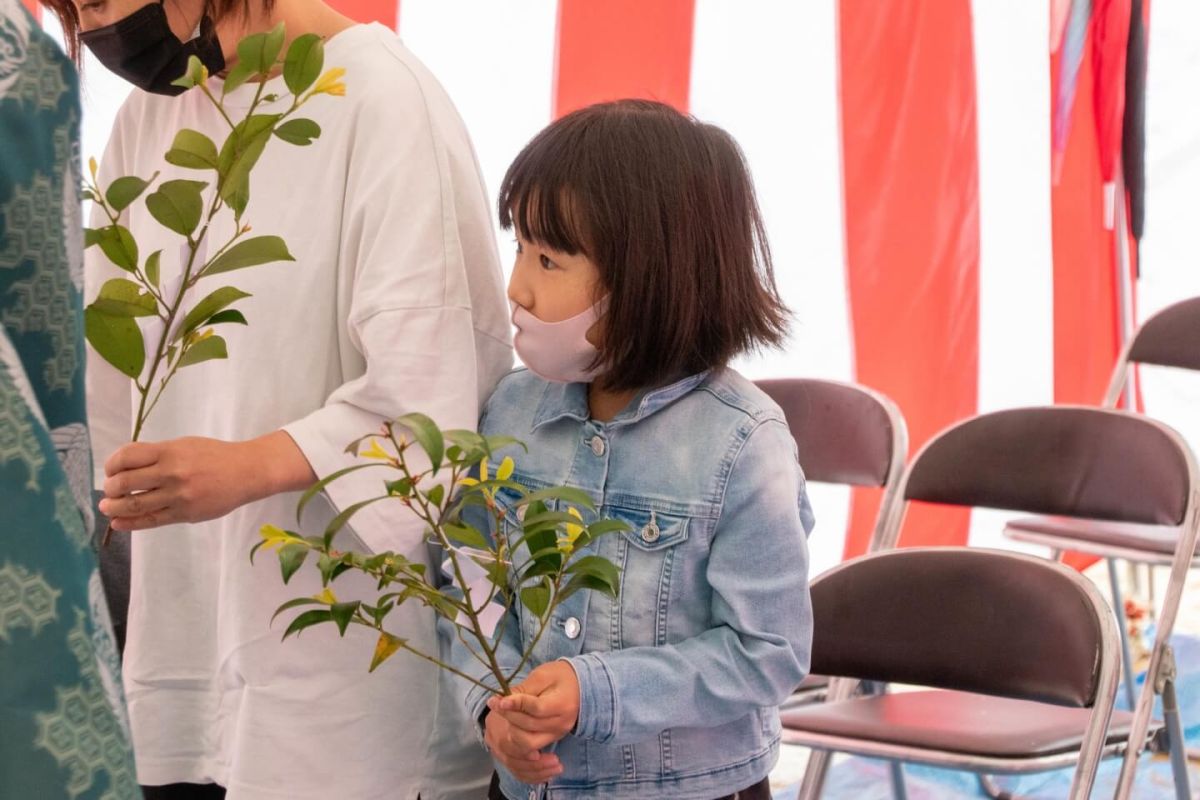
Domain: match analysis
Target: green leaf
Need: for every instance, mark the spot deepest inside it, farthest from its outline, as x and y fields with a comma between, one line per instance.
x=228, y=315
x=299, y=131
x=260, y=51
x=211, y=304
x=599, y=568
x=239, y=155
x=118, y=340
x=123, y=298
x=537, y=598
x=385, y=648
x=339, y=522
x=576, y=497
x=204, y=350
x=117, y=243
x=303, y=63
x=291, y=558
x=195, y=75
x=590, y=582
x=428, y=435
x=401, y=488
x=299, y=601
x=152, y=267
x=177, y=205
x=124, y=191
x=342, y=614
x=306, y=620
x=238, y=75
x=465, y=534
x=436, y=495
x=91, y=236
x=320, y=485
x=192, y=150
x=249, y=253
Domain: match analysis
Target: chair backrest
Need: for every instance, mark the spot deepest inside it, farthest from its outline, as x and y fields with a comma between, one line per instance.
x=845, y=433
x=1066, y=460
x=968, y=619
x=1170, y=338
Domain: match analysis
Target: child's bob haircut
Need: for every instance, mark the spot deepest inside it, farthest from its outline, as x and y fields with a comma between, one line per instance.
x=664, y=207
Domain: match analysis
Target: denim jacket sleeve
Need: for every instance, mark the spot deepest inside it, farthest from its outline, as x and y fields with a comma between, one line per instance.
x=757, y=650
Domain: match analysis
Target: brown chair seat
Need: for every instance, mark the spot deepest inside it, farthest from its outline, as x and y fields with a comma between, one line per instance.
x=1158, y=539
x=957, y=722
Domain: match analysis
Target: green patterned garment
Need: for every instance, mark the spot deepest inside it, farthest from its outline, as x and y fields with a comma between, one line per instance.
x=62, y=727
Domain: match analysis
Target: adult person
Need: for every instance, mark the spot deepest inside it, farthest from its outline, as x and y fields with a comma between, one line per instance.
x=394, y=304
x=62, y=727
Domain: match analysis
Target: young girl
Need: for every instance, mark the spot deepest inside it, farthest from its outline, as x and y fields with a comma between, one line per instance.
x=641, y=270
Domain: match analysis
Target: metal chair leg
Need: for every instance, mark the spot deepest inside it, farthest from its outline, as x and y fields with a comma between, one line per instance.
x=988, y=785
x=814, y=775
x=1179, y=757
x=1123, y=627
x=899, y=792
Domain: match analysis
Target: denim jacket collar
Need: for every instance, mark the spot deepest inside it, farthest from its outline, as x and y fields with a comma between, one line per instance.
x=561, y=400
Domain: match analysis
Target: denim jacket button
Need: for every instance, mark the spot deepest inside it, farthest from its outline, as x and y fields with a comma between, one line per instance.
x=572, y=627
x=597, y=445
x=650, y=531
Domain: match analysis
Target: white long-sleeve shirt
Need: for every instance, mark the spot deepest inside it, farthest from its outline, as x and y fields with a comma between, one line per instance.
x=394, y=304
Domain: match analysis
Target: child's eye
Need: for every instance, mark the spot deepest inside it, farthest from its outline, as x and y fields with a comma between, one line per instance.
x=546, y=262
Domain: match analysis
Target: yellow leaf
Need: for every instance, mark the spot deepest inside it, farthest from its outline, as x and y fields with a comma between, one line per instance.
x=468, y=482
x=566, y=543
x=483, y=470
x=273, y=536
x=92, y=167
x=375, y=451
x=505, y=470
x=384, y=649
x=330, y=82
x=326, y=596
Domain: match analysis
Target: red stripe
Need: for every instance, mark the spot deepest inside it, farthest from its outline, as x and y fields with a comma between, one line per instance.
x=1085, y=292
x=623, y=48
x=385, y=11
x=911, y=178
x=35, y=8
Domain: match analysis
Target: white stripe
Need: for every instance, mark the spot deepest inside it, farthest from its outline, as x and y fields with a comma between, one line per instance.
x=1016, y=292
x=768, y=74
x=496, y=60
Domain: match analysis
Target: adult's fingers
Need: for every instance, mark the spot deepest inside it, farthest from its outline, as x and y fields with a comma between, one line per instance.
x=134, y=455
x=167, y=516
x=133, y=480
x=136, y=505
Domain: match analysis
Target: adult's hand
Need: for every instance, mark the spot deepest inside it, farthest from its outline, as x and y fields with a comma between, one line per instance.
x=194, y=479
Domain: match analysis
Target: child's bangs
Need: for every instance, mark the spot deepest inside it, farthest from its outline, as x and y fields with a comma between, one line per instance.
x=539, y=198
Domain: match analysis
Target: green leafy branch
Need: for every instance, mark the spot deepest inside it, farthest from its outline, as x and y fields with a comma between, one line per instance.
x=189, y=337
x=548, y=528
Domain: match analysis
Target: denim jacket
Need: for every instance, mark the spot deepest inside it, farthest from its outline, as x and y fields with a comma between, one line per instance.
x=680, y=676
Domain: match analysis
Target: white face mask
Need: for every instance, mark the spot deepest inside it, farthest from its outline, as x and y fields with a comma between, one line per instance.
x=558, y=351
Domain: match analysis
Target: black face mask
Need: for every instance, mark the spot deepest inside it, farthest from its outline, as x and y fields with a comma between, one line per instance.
x=142, y=49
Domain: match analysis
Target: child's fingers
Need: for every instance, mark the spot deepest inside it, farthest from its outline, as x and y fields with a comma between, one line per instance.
x=532, y=741
x=522, y=703
x=530, y=723
x=536, y=776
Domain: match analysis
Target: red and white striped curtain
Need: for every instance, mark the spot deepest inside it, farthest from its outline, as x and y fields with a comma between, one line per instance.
x=902, y=154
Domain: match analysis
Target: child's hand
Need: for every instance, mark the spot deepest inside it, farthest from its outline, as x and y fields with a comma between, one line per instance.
x=528, y=766
x=543, y=708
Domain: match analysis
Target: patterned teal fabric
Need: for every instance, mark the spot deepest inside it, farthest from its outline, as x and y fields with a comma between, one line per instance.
x=62, y=727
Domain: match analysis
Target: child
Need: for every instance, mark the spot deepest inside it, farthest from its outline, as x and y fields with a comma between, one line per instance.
x=641, y=270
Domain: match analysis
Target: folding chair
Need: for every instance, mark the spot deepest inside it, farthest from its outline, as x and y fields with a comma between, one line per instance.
x=845, y=434
x=998, y=648
x=1170, y=338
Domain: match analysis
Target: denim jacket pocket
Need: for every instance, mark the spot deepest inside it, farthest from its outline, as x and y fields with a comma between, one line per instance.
x=651, y=530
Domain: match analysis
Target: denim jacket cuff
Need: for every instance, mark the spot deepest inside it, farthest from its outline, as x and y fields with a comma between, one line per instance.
x=597, y=698
x=476, y=702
